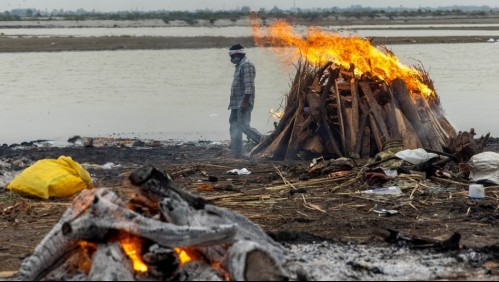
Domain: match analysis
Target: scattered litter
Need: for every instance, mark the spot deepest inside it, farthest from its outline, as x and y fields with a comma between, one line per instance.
x=484, y=167
x=204, y=188
x=315, y=161
x=379, y=176
x=438, y=190
x=392, y=190
x=476, y=192
x=415, y=156
x=236, y=171
x=383, y=212
x=109, y=165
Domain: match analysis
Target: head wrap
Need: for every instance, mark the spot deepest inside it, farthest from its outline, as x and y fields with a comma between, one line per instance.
x=236, y=49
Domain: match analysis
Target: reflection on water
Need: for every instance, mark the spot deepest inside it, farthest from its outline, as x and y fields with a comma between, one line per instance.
x=183, y=94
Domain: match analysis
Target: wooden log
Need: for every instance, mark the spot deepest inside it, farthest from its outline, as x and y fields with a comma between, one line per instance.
x=178, y=211
x=377, y=110
x=446, y=130
x=314, y=104
x=314, y=145
x=199, y=271
x=339, y=109
x=347, y=113
x=402, y=95
x=158, y=185
x=391, y=116
x=282, y=125
x=55, y=247
x=110, y=263
x=300, y=125
x=181, y=214
x=366, y=141
x=162, y=262
x=354, y=126
x=360, y=134
x=374, y=131
x=277, y=149
x=72, y=268
x=331, y=143
x=431, y=129
x=409, y=136
x=248, y=261
x=104, y=215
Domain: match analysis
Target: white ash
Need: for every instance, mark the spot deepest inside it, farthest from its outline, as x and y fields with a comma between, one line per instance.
x=329, y=262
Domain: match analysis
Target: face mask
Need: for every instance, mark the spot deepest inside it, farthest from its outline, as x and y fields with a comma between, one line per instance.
x=235, y=60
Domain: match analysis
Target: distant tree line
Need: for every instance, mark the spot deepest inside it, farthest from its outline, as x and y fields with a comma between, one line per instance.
x=355, y=11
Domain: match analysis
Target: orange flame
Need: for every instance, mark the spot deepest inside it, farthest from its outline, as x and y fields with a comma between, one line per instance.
x=319, y=47
x=183, y=256
x=85, y=261
x=132, y=246
x=276, y=114
x=186, y=255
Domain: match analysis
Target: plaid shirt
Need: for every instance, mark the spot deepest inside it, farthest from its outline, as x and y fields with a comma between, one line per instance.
x=242, y=84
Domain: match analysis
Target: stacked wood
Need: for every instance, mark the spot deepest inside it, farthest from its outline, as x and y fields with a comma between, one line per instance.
x=464, y=145
x=332, y=112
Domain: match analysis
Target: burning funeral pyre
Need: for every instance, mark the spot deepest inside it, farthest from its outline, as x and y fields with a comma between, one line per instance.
x=349, y=98
x=160, y=233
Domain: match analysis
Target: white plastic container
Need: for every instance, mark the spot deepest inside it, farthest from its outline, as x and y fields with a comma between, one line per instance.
x=476, y=191
x=392, y=190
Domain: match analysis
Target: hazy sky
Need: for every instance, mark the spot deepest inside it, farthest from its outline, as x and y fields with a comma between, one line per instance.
x=121, y=5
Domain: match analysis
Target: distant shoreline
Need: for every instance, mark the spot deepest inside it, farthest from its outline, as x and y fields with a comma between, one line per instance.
x=58, y=44
x=102, y=43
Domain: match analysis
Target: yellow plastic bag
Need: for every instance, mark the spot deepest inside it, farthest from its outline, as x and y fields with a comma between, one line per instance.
x=52, y=178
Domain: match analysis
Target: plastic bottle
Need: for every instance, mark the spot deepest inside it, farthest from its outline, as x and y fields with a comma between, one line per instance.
x=392, y=190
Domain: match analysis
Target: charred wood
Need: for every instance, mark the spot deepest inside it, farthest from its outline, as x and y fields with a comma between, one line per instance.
x=104, y=216
x=110, y=263
x=55, y=247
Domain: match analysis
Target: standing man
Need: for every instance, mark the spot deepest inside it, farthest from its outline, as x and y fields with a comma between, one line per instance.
x=242, y=98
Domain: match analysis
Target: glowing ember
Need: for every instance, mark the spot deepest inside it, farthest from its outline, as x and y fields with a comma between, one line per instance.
x=85, y=261
x=319, y=47
x=183, y=256
x=277, y=114
x=132, y=247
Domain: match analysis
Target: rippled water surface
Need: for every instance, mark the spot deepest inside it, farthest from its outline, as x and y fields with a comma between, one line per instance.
x=183, y=94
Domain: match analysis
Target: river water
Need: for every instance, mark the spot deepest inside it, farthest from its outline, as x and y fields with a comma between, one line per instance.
x=183, y=94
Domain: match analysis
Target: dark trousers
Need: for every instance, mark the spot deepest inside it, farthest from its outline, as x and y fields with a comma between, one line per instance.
x=239, y=124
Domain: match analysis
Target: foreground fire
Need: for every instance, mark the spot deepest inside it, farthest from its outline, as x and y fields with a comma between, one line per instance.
x=160, y=233
x=319, y=47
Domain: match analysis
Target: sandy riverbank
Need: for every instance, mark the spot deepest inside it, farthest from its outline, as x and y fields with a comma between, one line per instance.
x=54, y=44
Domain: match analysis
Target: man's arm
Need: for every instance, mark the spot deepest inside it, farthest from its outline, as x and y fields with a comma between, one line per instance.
x=248, y=73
